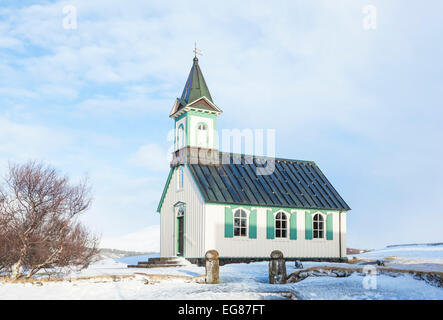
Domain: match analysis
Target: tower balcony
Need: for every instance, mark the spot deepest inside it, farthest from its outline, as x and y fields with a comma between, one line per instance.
x=194, y=155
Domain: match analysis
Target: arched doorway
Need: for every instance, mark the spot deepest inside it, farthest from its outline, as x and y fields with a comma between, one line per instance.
x=180, y=232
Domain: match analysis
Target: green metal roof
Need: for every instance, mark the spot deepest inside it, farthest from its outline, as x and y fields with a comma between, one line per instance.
x=195, y=85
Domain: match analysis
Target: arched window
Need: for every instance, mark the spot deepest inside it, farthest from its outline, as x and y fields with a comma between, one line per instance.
x=181, y=136
x=281, y=225
x=180, y=178
x=202, y=135
x=318, y=226
x=240, y=223
x=180, y=210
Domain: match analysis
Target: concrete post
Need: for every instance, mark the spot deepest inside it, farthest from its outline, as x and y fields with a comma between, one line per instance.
x=212, y=267
x=277, y=268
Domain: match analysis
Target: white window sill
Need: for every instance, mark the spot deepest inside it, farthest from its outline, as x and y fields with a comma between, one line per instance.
x=319, y=240
x=281, y=239
x=239, y=238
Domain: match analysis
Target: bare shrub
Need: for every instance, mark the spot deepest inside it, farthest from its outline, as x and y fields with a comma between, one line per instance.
x=39, y=228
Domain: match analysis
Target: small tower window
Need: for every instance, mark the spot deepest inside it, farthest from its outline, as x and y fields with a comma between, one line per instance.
x=281, y=225
x=181, y=137
x=202, y=135
x=318, y=226
x=180, y=178
x=240, y=223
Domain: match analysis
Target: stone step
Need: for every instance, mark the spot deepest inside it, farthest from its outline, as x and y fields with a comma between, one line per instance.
x=161, y=262
x=155, y=265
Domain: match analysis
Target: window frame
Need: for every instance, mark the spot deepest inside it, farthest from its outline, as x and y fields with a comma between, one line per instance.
x=197, y=136
x=181, y=136
x=286, y=229
x=318, y=229
x=246, y=227
x=180, y=178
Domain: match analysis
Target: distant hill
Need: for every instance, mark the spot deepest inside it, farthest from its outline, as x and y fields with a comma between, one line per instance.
x=415, y=244
x=356, y=251
x=106, y=253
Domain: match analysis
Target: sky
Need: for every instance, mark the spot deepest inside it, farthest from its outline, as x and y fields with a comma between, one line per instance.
x=365, y=104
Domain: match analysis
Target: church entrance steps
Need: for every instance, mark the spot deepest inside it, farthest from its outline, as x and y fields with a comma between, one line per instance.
x=161, y=263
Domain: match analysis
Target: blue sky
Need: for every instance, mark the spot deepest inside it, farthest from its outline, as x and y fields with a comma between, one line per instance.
x=364, y=104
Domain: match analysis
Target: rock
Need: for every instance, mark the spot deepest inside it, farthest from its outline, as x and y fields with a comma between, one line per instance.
x=298, y=264
x=277, y=268
x=212, y=267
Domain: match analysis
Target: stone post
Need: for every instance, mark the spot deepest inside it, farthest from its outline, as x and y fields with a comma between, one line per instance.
x=277, y=268
x=212, y=267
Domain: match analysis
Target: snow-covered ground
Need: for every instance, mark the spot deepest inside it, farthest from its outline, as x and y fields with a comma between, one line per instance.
x=425, y=257
x=432, y=254
x=238, y=281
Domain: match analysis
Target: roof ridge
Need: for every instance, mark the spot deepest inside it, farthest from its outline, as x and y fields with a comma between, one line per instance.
x=266, y=157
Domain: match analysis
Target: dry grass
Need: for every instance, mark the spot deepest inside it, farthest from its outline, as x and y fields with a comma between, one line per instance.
x=55, y=279
x=150, y=278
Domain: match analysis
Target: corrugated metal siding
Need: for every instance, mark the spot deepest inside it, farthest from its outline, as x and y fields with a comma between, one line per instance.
x=194, y=218
x=262, y=247
x=295, y=184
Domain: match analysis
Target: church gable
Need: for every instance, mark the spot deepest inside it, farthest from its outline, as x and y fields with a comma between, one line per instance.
x=205, y=104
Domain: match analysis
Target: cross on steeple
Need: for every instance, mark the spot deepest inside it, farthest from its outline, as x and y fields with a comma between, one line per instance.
x=197, y=51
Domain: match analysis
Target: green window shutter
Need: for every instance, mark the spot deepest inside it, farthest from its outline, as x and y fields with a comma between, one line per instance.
x=293, y=226
x=269, y=224
x=229, y=222
x=329, y=227
x=253, y=224
x=308, y=225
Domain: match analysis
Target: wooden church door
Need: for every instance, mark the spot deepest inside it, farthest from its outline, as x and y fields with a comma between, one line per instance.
x=181, y=231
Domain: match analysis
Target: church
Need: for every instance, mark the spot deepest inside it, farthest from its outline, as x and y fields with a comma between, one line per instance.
x=218, y=200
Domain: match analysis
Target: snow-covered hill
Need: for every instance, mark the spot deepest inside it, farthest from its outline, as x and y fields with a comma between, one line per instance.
x=106, y=253
x=407, y=254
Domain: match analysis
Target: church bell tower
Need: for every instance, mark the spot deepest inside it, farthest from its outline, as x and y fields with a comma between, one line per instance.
x=195, y=114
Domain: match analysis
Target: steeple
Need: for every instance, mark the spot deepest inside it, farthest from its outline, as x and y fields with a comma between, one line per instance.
x=195, y=95
x=195, y=85
x=195, y=114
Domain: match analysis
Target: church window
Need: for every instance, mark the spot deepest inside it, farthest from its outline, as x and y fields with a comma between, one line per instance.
x=202, y=135
x=180, y=178
x=240, y=223
x=181, y=210
x=318, y=226
x=181, y=136
x=281, y=225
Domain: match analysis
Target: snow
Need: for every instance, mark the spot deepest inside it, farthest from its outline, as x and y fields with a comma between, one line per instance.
x=237, y=281
x=416, y=254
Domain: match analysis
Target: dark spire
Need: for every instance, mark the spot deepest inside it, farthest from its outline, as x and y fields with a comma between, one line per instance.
x=195, y=85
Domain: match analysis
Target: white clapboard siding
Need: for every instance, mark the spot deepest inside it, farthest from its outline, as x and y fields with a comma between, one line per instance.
x=194, y=218
x=262, y=247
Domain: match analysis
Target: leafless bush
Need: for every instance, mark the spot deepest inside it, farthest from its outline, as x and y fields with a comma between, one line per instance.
x=38, y=222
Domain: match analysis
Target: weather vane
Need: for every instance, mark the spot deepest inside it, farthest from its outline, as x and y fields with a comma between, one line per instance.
x=197, y=51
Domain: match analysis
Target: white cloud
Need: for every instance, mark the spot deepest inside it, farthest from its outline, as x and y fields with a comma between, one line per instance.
x=152, y=157
x=145, y=240
x=20, y=141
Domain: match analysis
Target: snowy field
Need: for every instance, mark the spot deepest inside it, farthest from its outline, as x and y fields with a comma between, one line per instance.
x=424, y=253
x=238, y=281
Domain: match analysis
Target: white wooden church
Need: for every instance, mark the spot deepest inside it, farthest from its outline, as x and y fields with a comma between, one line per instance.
x=209, y=204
